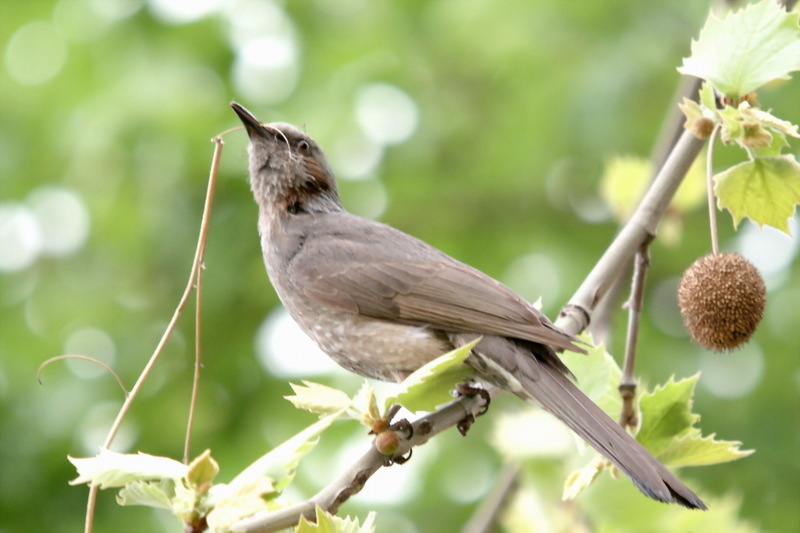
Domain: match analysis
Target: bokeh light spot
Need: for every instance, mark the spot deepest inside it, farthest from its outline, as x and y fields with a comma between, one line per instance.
x=733, y=374
x=63, y=218
x=664, y=312
x=93, y=427
x=266, y=69
x=183, y=11
x=770, y=250
x=77, y=21
x=354, y=157
x=368, y=199
x=387, y=114
x=286, y=352
x=116, y=10
x=94, y=343
x=20, y=237
x=35, y=54
x=533, y=276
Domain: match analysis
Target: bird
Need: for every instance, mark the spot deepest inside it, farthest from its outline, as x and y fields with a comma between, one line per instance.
x=382, y=303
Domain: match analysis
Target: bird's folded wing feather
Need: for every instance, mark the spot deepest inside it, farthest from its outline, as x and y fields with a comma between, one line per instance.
x=424, y=288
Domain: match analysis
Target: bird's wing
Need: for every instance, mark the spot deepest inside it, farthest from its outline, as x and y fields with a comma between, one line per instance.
x=411, y=282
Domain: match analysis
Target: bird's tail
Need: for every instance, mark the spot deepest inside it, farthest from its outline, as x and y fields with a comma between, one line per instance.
x=533, y=379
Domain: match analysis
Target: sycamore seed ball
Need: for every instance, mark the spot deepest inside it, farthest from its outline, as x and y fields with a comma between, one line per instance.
x=722, y=299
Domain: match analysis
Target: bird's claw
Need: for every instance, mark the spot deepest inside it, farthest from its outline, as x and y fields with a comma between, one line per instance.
x=465, y=389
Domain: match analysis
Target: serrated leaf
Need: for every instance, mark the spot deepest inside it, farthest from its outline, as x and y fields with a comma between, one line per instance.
x=318, y=398
x=582, y=479
x=156, y=494
x=707, y=96
x=693, y=450
x=232, y=504
x=768, y=120
x=113, y=469
x=202, y=471
x=746, y=49
x=280, y=463
x=328, y=523
x=765, y=190
x=751, y=127
x=365, y=406
x=667, y=413
x=431, y=385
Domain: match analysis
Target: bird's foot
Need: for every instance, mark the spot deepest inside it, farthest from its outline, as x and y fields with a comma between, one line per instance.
x=464, y=389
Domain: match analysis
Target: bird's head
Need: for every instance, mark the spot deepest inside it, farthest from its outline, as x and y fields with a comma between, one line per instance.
x=288, y=170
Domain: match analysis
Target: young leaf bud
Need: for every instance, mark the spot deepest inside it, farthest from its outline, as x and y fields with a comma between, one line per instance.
x=387, y=442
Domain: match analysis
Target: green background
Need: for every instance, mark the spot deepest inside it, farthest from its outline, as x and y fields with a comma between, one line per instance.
x=518, y=104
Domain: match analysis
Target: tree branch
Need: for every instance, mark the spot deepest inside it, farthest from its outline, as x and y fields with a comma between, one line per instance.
x=627, y=385
x=576, y=314
x=353, y=479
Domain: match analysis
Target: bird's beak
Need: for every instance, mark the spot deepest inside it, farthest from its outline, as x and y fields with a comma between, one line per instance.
x=251, y=123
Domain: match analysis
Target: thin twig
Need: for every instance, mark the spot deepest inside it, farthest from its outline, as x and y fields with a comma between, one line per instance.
x=353, y=479
x=627, y=385
x=712, y=207
x=198, y=257
x=82, y=358
x=201, y=246
x=575, y=315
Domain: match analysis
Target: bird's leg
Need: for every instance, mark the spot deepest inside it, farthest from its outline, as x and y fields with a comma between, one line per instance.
x=465, y=389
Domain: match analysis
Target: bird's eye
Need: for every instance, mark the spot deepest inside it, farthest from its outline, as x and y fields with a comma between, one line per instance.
x=303, y=145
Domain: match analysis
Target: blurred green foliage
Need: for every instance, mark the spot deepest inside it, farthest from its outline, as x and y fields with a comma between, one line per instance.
x=519, y=105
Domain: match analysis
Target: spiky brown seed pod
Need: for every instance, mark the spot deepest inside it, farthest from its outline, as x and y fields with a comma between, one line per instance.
x=722, y=298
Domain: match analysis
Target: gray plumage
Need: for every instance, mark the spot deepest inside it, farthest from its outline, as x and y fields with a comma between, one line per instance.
x=382, y=303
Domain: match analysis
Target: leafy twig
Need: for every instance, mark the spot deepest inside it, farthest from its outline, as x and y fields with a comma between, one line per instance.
x=196, y=265
x=353, y=479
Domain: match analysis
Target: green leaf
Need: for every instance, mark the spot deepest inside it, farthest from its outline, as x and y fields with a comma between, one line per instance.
x=318, y=398
x=202, y=472
x=765, y=190
x=746, y=49
x=707, y=98
x=281, y=462
x=328, y=523
x=431, y=385
x=751, y=127
x=693, y=450
x=229, y=504
x=365, y=407
x=667, y=413
x=113, y=469
x=156, y=494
